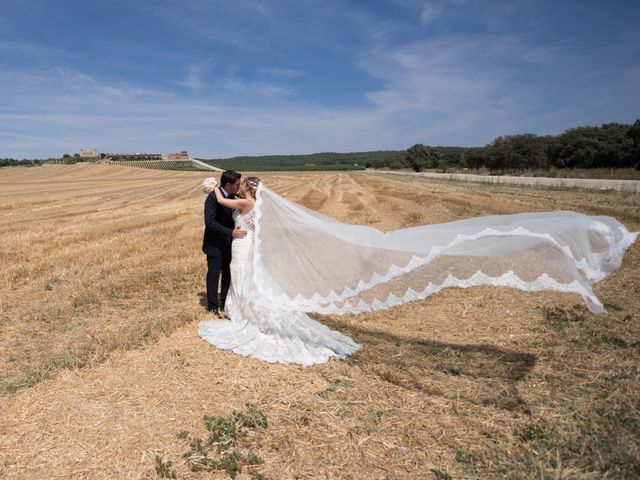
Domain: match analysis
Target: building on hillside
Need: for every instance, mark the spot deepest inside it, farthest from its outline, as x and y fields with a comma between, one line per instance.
x=183, y=155
x=88, y=153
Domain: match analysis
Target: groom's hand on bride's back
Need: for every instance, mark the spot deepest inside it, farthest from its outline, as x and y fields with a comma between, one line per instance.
x=238, y=233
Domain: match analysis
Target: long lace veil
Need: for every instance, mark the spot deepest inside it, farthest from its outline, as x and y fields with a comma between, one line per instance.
x=306, y=261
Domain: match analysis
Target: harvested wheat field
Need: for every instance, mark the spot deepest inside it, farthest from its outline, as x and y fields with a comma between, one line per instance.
x=102, y=375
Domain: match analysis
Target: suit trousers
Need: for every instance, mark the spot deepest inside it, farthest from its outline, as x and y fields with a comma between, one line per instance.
x=218, y=266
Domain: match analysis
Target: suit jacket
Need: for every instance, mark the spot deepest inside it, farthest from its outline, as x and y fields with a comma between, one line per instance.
x=218, y=225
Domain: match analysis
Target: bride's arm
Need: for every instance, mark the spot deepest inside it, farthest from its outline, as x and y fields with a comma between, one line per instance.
x=240, y=203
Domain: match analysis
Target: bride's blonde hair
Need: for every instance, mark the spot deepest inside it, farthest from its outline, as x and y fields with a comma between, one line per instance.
x=252, y=185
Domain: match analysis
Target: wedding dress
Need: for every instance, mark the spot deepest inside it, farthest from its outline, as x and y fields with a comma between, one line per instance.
x=260, y=330
x=295, y=261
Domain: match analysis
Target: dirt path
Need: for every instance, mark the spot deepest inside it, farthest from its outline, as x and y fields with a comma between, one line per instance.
x=593, y=184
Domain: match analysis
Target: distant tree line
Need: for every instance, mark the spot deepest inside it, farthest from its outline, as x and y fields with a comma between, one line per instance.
x=65, y=159
x=315, y=161
x=12, y=162
x=612, y=145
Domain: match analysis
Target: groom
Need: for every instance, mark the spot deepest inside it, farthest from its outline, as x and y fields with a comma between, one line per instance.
x=218, y=233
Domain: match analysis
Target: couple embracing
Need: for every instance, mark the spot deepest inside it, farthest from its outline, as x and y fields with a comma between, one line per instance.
x=228, y=235
x=246, y=319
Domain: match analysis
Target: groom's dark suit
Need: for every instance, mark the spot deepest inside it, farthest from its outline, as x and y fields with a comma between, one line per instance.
x=218, y=221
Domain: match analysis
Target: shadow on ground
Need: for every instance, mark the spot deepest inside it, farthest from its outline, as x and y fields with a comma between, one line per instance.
x=203, y=299
x=480, y=374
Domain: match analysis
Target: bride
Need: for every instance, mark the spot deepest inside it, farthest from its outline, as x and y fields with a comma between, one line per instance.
x=256, y=328
x=294, y=261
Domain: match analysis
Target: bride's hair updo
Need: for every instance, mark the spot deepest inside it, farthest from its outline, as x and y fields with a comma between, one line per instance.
x=252, y=185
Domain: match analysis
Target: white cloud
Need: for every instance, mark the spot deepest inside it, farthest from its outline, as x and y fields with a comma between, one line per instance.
x=434, y=78
x=226, y=23
x=56, y=121
x=455, y=92
x=282, y=72
x=31, y=52
x=430, y=12
x=461, y=90
x=467, y=90
x=260, y=89
x=194, y=77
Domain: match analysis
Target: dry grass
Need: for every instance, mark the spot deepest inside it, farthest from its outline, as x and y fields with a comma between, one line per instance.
x=101, y=269
x=94, y=259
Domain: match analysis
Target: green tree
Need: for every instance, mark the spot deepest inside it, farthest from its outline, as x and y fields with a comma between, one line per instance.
x=475, y=157
x=443, y=166
x=499, y=155
x=608, y=146
x=617, y=146
x=420, y=156
x=518, y=152
x=634, y=134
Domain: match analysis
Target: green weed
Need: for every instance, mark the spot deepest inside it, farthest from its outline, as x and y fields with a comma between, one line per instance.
x=532, y=432
x=85, y=298
x=224, y=433
x=440, y=475
x=163, y=469
x=464, y=457
x=560, y=318
x=52, y=283
x=615, y=341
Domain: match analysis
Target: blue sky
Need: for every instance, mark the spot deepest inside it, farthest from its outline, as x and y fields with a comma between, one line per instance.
x=249, y=77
